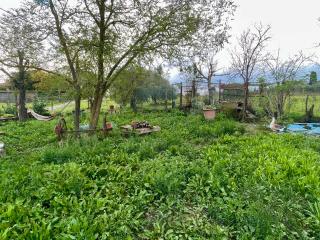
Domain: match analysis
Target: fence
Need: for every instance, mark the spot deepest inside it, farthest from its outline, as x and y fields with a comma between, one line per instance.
x=293, y=99
x=10, y=97
x=195, y=94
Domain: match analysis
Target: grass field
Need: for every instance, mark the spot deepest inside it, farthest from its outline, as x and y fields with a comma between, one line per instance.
x=193, y=180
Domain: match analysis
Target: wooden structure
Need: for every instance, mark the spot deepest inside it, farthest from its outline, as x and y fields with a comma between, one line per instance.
x=132, y=129
x=231, y=92
x=61, y=129
x=112, y=110
x=7, y=119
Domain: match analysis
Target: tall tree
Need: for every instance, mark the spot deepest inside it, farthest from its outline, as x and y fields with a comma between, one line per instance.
x=64, y=16
x=138, y=84
x=200, y=58
x=114, y=33
x=247, y=56
x=21, y=42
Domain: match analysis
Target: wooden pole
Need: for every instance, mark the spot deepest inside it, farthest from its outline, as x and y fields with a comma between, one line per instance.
x=219, y=91
x=181, y=95
x=172, y=98
x=166, y=101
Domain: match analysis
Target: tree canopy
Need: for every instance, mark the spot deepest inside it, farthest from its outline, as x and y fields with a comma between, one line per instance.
x=111, y=34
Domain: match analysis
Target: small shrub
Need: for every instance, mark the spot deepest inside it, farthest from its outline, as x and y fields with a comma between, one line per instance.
x=10, y=109
x=39, y=106
x=57, y=156
x=222, y=126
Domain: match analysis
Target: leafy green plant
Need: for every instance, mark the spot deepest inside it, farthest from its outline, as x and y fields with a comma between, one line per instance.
x=193, y=180
x=39, y=106
x=9, y=109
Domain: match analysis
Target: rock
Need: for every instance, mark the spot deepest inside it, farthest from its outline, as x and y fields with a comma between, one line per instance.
x=2, y=149
x=84, y=127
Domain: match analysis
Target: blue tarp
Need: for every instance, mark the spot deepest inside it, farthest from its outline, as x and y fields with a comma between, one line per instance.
x=308, y=128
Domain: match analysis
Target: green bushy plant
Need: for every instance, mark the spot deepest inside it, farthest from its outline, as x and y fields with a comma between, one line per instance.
x=58, y=156
x=9, y=109
x=39, y=106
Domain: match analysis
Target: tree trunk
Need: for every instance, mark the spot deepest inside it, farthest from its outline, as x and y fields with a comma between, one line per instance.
x=246, y=97
x=194, y=89
x=95, y=111
x=210, y=91
x=20, y=84
x=17, y=104
x=166, y=101
x=154, y=99
x=77, y=100
x=133, y=104
x=23, y=115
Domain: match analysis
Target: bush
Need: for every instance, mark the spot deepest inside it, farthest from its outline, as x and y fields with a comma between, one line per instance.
x=221, y=126
x=58, y=156
x=10, y=109
x=39, y=106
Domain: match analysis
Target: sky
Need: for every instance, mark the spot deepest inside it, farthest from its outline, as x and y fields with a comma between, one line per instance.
x=294, y=25
x=9, y=3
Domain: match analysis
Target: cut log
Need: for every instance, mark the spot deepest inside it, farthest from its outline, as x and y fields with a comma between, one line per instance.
x=8, y=119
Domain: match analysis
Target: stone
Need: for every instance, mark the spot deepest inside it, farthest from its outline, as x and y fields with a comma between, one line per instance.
x=2, y=149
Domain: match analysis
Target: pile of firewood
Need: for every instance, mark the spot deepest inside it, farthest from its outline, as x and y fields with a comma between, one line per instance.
x=138, y=125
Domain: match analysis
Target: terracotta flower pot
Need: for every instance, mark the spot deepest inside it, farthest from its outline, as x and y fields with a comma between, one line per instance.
x=109, y=125
x=209, y=114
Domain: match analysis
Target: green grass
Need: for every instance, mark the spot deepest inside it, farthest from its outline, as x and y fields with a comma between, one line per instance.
x=295, y=108
x=193, y=180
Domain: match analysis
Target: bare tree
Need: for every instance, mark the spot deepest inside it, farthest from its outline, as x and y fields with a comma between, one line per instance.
x=247, y=56
x=206, y=69
x=199, y=59
x=282, y=73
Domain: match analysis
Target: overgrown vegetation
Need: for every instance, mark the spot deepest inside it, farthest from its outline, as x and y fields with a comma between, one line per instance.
x=193, y=180
x=39, y=106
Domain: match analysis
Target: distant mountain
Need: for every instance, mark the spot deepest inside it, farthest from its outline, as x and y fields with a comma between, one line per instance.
x=308, y=69
x=303, y=73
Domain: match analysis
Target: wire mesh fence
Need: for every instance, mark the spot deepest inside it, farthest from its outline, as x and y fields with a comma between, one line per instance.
x=292, y=98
